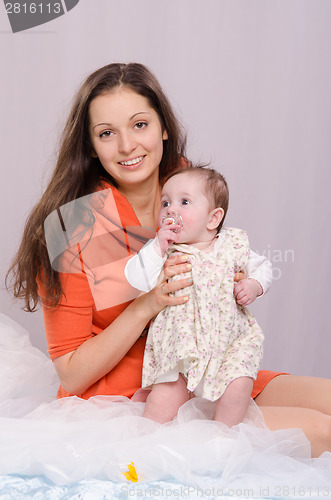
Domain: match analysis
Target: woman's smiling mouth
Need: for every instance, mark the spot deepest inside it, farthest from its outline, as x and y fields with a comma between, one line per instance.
x=134, y=161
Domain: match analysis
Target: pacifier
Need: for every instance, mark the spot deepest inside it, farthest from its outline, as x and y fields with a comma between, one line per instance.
x=173, y=218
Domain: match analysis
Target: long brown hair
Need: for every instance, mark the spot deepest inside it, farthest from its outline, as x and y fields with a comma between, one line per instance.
x=77, y=173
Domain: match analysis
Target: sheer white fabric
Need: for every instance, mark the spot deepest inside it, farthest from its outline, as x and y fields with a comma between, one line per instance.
x=72, y=439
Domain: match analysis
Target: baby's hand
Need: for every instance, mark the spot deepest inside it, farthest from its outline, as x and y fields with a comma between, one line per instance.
x=166, y=236
x=246, y=291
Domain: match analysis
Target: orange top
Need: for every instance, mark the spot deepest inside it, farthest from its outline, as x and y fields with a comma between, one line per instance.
x=96, y=292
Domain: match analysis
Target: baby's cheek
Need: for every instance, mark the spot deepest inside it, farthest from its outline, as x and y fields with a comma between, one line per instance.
x=189, y=221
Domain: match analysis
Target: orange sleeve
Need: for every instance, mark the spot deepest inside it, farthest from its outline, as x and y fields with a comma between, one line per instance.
x=69, y=324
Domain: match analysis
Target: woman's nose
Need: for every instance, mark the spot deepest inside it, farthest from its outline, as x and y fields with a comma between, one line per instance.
x=126, y=143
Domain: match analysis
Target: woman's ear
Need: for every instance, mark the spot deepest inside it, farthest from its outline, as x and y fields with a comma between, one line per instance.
x=215, y=218
x=93, y=153
x=165, y=135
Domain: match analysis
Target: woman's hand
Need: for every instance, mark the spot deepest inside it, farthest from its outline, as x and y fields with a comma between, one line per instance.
x=239, y=276
x=158, y=298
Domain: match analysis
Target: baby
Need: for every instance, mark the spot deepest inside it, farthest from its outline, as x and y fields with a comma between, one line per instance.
x=211, y=346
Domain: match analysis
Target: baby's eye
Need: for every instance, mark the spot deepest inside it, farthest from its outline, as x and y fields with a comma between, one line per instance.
x=106, y=134
x=165, y=204
x=185, y=202
x=141, y=125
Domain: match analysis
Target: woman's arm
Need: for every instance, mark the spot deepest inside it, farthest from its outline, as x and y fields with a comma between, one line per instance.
x=97, y=356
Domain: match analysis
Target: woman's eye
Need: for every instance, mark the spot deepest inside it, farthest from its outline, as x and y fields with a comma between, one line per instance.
x=106, y=133
x=185, y=202
x=140, y=125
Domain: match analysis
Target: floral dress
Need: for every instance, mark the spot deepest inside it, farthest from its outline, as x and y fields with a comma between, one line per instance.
x=210, y=339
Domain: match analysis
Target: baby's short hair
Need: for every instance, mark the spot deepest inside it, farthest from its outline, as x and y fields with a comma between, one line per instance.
x=215, y=186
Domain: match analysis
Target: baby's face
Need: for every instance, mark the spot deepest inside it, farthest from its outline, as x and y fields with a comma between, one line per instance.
x=184, y=194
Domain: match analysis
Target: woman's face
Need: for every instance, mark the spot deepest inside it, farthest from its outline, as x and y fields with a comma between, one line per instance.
x=126, y=136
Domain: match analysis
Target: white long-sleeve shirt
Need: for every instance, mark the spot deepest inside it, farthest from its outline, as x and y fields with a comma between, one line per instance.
x=143, y=270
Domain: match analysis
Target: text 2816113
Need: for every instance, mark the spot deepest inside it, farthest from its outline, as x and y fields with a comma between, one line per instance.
x=33, y=8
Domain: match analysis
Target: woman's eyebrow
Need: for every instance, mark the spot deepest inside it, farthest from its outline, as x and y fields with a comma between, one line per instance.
x=133, y=116
x=98, y=124
x=140, y=113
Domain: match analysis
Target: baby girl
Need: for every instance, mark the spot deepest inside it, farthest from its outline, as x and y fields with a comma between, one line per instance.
x=211, y=346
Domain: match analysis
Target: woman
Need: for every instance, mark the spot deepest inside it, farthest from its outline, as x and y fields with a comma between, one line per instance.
x=121, y=140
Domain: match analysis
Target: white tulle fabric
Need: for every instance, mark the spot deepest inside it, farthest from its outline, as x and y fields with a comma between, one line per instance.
x=70, y=440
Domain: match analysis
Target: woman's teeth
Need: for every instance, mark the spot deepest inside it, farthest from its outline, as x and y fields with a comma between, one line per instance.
x=131, y=162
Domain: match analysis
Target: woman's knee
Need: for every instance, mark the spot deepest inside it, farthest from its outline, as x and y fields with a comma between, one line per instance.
x=315, y=424
x=322, y=431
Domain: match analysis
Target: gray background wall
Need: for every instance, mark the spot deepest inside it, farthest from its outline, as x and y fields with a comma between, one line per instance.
x=250, y=81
